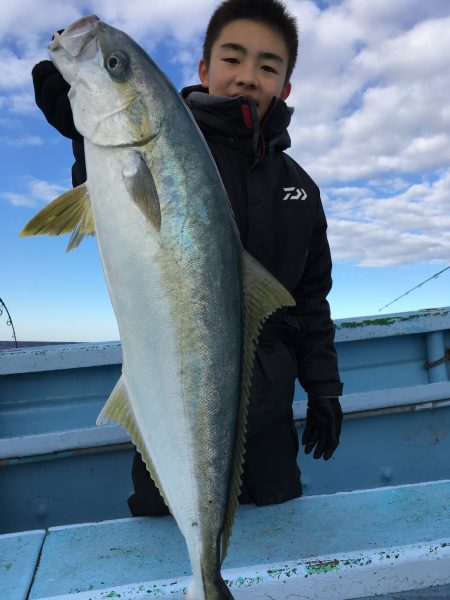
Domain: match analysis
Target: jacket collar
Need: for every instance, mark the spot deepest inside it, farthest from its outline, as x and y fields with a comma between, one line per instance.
x=236, y=118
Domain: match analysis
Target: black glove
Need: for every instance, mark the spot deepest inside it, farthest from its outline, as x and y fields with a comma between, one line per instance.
x=323, y=426
x=50, y=91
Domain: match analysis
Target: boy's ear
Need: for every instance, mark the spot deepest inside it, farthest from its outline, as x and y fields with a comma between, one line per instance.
x=203, y=73
x=286, y=91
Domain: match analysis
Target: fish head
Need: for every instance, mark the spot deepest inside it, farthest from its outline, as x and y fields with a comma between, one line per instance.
x=104, y=68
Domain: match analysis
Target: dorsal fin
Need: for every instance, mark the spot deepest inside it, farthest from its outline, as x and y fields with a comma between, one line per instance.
x=118, y=409
x=71, y=211
x=263, y=295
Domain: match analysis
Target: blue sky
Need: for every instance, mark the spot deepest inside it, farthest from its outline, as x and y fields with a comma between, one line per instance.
x=371, y=126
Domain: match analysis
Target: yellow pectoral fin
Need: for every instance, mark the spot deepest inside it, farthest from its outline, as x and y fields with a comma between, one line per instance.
x=142, y=189
x=263, y=295
x=72, y=211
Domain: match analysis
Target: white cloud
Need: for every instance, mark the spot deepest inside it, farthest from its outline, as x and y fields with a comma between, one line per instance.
x=37, y=192
x=384, y=19
x=28, y=140
x=16, y=70
x=28, y=23
x=406, y=228
x=375, y=119
x=373, y=105
x=23, y=41
x=411, y=55
x=152, y=22
x=148, y=22
x=22, y=103
x=18, y=199
x=44, y=191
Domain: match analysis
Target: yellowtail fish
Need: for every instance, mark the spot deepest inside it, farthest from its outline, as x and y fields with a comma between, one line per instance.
x=189, y=301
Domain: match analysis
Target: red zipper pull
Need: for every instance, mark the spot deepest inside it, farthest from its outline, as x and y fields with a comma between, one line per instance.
x=247, y=116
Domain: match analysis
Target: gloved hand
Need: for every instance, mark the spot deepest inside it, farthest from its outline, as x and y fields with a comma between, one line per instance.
x=323, y=426
x=50, y=91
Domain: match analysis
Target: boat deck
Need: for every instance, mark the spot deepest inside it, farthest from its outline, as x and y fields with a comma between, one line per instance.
x=441, y=592
x=328, y=547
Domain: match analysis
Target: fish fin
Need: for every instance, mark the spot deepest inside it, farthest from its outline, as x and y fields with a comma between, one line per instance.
x=263, y=295
x=72, y=211
x=118, y=409
x=145, y=195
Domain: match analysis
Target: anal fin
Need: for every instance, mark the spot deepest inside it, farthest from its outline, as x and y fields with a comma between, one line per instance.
x=118, y=409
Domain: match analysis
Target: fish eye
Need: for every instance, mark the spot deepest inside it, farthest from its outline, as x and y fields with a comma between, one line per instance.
x=117, y=63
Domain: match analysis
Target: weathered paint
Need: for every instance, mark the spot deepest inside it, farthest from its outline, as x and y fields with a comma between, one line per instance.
x=394, y=324
x=390, y=320
x=393, y=531
x=50, y=358
x=53, y=357
x=317, y=567
x=19, y=554
x=342, y=577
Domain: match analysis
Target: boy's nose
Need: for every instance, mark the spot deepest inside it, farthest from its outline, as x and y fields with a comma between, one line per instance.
x=247, y=77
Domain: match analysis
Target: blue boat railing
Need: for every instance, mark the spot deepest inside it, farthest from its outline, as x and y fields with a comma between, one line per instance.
x=58, y=467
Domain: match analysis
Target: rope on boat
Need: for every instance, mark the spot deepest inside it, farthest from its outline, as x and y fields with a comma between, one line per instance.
x=438, y=361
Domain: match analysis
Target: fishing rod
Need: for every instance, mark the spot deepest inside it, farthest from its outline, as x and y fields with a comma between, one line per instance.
x=435, y=276
x=9, y=322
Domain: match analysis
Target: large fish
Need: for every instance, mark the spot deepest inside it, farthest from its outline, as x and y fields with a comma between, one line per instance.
x=189, y=301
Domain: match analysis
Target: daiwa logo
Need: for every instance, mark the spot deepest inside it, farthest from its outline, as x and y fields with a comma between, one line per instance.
x=294, y=193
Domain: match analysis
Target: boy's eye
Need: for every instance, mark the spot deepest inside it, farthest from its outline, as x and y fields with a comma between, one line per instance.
x=231, y=60
x=269, y=69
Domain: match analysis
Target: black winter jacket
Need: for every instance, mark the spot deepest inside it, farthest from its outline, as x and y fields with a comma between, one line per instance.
x=281, y=221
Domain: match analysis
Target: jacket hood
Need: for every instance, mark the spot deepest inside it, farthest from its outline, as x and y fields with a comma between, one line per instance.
x=229, y=118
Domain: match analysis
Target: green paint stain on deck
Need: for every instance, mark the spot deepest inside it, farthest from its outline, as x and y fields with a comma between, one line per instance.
x=315, y=568
x=275, y=572
x=243, y=581
x=286, y=572
x=357, y=562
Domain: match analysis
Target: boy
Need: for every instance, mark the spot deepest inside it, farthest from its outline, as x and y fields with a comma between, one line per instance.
x=249, y=53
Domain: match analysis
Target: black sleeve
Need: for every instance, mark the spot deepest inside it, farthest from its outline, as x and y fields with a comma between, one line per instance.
x=50, y=91
x=79, y=166
x=316, y=355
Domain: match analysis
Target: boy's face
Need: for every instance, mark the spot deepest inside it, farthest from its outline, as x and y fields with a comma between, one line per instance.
x=250, y=59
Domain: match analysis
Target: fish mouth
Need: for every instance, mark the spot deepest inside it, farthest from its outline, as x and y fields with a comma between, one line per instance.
x=79, y=40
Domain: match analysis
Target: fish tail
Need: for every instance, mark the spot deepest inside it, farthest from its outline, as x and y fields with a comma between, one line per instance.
x=217, y=590
x=222, y=592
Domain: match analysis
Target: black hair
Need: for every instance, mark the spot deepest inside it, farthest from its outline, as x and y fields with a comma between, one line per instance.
x=272, y=13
